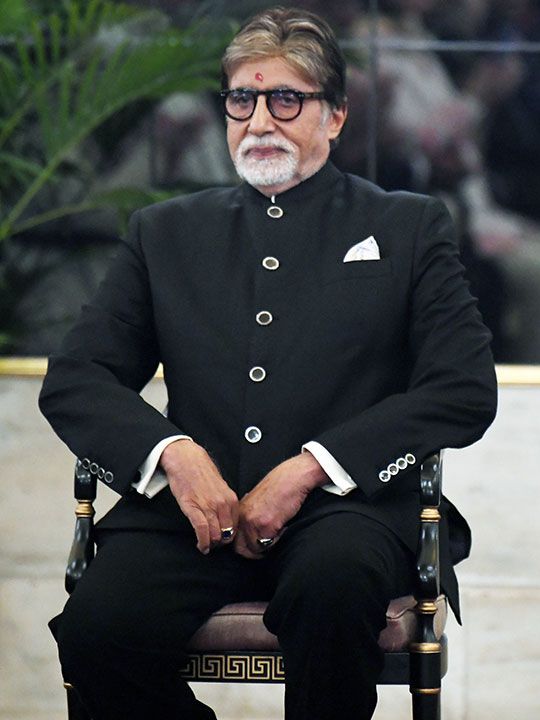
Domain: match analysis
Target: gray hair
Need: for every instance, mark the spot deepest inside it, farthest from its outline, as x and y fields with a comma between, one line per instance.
x=301, y=38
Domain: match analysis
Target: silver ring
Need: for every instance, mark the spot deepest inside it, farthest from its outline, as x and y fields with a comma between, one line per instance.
x=265, y=542
x=227, y=533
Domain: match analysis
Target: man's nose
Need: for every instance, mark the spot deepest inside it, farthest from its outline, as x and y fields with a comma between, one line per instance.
x=261, y=122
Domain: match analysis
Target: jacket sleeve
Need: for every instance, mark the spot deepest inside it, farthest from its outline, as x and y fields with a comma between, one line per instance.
x=451, y=395
x=90, y=394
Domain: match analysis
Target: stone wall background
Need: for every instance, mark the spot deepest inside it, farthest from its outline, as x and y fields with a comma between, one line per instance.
x=494, y=658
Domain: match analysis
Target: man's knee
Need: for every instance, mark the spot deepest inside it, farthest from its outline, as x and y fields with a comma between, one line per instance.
x=82, y=633
x=340, y=577
x=336, y=590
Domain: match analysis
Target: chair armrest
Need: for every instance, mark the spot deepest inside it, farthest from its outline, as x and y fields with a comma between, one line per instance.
x=82, y=548
x=427, y=585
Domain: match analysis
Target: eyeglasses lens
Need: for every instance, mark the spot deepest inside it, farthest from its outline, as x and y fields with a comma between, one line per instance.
x=284, y=105
x=240, y=105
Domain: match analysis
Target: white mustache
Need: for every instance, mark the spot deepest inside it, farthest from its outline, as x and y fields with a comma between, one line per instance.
x=249, y=143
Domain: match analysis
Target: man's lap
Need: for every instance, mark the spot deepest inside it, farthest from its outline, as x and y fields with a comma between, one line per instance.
x=150, y=590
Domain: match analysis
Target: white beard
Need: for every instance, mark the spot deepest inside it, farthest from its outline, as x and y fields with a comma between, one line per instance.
x=263, y=172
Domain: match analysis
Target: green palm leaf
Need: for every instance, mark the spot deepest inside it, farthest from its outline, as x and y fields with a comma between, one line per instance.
x=69, y=88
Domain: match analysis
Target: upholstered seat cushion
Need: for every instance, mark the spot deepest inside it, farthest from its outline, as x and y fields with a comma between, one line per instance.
x=240, y=627
x=401, y=623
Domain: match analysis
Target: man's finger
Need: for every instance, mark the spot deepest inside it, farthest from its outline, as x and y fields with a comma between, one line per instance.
x=200, y=524
x=214, y=528
x=242, y=548
x=258, y=541
x=228, y=522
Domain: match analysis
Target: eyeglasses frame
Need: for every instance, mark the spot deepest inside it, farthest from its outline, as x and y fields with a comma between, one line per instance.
x=268, y=93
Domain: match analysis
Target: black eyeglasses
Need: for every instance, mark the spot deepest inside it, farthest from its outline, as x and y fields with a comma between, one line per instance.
x=283, y=104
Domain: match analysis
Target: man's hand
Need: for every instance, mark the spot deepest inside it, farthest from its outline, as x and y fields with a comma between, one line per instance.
x=265, y=510
x=202, y=494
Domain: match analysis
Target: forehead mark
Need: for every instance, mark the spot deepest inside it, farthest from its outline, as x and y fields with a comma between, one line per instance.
x=259, y=77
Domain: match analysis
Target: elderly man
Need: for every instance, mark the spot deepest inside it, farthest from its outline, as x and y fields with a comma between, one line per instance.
x=318, y=342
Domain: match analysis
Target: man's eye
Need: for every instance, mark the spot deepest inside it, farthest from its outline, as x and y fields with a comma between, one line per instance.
x=240, y=99
x=286, y=99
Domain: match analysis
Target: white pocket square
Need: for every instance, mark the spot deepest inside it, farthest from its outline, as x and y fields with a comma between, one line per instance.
x=365, y=250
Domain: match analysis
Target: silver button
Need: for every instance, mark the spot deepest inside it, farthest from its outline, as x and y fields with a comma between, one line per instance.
x=401, y=463
x=264, y=317
x=274, y=211
x=270, y=263
x=409, y=457
x=94, y=467
x=253, y=434
x=86, y=463
x=393, y=469
x=257, y=374
x=101, y=473
x=384, y=476
x=109, y=477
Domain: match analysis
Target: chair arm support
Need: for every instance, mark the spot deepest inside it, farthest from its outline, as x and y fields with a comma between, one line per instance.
x=82, y=548
x=431, y=480
x=427, y=585
x=426, y=651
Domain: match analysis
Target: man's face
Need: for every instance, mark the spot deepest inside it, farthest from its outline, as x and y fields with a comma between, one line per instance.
x=274, y=155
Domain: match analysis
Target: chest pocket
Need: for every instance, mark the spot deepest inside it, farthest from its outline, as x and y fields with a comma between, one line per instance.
x=358, y=270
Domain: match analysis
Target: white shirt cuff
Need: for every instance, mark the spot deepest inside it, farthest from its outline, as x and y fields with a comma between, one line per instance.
x=153, y=478
x=341, y=482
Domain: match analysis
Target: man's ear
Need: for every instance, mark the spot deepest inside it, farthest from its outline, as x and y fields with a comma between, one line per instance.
x=337, y=119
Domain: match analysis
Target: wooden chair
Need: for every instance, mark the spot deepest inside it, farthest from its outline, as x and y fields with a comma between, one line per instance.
x=234, y=645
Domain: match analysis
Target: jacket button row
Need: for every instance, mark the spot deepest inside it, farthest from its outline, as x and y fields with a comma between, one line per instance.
x=94, y=469
x=252, y=433
x=393, y=468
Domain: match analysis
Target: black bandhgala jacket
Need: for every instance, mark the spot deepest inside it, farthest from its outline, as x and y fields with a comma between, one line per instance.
x=374, y=359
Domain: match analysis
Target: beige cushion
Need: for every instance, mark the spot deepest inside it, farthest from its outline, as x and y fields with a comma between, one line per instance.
x=240, y=627
x=401, y=623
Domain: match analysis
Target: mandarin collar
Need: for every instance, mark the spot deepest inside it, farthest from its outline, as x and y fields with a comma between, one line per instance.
x=320, y=182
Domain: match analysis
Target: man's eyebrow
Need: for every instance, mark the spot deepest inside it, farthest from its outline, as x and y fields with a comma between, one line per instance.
x=272, y=89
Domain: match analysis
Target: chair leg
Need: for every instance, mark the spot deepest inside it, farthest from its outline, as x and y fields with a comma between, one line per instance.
x=76, y=710
x=425, y=680
x=426, y=707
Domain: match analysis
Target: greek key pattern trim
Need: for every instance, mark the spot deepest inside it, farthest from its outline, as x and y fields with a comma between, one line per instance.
x=229, y=667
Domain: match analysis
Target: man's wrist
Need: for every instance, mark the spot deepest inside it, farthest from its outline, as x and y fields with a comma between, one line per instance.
x=312, y=474
x=169, y=456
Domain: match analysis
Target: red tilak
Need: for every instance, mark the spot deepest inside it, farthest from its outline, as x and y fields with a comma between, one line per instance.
x=258, y=76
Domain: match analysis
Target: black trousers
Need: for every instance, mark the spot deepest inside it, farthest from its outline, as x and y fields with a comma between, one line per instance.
x=122, y=634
